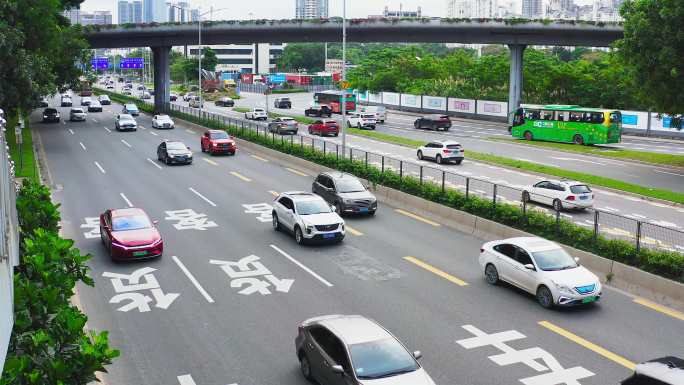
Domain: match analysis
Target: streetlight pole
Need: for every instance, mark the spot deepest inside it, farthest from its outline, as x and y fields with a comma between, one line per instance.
x=343, y=93
x=199, y=56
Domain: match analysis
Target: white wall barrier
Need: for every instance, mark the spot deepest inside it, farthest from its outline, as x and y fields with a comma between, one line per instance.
x=374, y=98
x=390, y=98
x=492, y=108
x=638, y=120
x=436, y=103
x=408, y=100
x=461, y=105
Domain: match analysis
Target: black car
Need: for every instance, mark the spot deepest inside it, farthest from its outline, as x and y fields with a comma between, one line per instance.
x=433, y=122
x=225, y=102
x=345, y=192
x=282, y=103
x=50, y=115
x=661, y=371
x=173, y=97
x=319, y=111
x=174, y=152
x=44, y=102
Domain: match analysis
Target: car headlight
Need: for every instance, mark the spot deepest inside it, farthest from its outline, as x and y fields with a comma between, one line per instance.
x=563, y=288
x=348, y=201
x=309, y=228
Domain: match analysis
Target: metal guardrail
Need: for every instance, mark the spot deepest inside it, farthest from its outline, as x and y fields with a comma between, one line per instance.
x=609, y=225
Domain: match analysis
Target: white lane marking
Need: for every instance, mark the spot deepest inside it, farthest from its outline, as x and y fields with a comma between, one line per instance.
x=154, y=163
x=72, y=131
x=126, y=143
x=656, y=204
x=577, y=160
x=638, y=216
x=318, y=277
x=189, y=130
x=566, y=215
x=664, y=224
x=608, y=208
x=82, y=145
x=202, y=196
x=186, y=379
x=126, y=199
x=100, y=167
x=667, y=172
x=95, y=120
x=108, y=130
x=154, y=133
x=193, y=280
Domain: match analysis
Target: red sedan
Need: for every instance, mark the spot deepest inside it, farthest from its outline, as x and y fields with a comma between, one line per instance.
x=130, y=234
x=218, y=142
x=324, y=128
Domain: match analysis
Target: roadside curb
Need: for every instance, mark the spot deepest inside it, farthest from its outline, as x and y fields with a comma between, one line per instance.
x=630, y=279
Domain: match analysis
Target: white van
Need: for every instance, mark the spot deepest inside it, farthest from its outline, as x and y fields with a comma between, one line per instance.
x=379, y=111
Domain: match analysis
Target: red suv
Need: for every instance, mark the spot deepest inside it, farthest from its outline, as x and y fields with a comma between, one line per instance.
x=324, y=128
x=218, y=142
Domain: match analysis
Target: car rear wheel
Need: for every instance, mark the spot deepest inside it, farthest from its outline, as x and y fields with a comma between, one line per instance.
x=439, y=159
x=578, y=139
x=557, y=205
x=491, y=274
x=305, y=367
x=420, y=155
x=276, y=224
x=299, y=237
x=528, y=135
x=544, y=297
x=416, y=125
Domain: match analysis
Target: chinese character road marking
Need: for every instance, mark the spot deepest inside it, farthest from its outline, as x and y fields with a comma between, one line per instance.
x=92, y=223
x=138, y=300
x=245, y=271
x=264, y=210
x=188, y=219
x=529, y=357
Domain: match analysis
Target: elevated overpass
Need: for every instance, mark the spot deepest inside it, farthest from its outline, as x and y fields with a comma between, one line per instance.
x=515, y=33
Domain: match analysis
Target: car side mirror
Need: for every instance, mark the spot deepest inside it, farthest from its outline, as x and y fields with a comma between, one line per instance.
x=530, y=266
x=577, y=260
x=333, y=208
x=188, y=147
x=417, y=354
x=337, y=369
x=155, y=222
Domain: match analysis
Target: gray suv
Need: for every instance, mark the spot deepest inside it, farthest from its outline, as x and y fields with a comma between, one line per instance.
x=345, y=192
x=354, y=350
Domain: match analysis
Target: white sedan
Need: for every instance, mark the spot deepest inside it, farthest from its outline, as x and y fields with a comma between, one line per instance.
x=542, y=268
x=560, y=194
x=162, y=121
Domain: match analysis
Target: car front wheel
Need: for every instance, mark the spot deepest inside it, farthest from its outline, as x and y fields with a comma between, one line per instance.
x=544, y=297
x=276, y=224
x=305, y=367
x=420, y=155
x=491, y=274
x=299, y=237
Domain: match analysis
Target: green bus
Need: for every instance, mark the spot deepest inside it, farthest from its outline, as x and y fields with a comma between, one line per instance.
x=567, y=124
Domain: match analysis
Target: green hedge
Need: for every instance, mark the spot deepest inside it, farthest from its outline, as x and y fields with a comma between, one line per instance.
x=666, y=264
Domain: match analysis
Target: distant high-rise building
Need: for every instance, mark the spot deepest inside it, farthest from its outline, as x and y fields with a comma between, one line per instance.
x=76, y=16
x=460, y=9
x=531, y=8
x=154, y=11
x=395, y=14
x=311, y=9
x=194, y=15
x=130, y=11
x=180, y=12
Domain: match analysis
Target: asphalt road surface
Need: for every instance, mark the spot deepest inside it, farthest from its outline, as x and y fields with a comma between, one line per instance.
x=193, y=326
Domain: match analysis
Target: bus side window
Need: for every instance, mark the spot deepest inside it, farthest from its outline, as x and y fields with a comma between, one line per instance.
x=575, y=117
x=546, y=115
x=597, y=117
x=561, y=116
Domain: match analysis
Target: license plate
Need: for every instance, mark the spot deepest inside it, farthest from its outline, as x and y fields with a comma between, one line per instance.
x=139, y=253
x=363, y=209
x=328, y=236
x=584, y=197
x=589, y=299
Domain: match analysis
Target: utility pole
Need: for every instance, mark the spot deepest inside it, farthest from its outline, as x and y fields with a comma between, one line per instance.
x=343, y=93
x=199, y=57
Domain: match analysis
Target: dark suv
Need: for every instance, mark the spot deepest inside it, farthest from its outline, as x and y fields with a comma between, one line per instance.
x=345, y=192
x=50, y=115
x=282, y=103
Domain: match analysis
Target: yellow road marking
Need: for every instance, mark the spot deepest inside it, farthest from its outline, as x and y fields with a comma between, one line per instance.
x=274, y=193
x=436, y=271
x=210, y=161
x=260, y=158
x=591, y=346
x=353, y=231
x=660, y=308
x=295, y=171
x=233, y=173
x=417, y=217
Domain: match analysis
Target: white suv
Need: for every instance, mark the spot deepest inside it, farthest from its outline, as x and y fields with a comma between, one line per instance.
x=442, y=151
x=256, y=114
x=542, y=268
x=560, y=194
x=308, y=217
x=362, y=120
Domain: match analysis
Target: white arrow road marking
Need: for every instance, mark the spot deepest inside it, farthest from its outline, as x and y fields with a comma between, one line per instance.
x=163, y=300
x=202, y=196
x=193, y=280
x=126, y=199
x=154, y=163
x=71, y=131
x=154, y=133
x=318, y=277
x=95, y=120
x=100, y=167
x=126, y=143
x=107, y=129
x=82, y=146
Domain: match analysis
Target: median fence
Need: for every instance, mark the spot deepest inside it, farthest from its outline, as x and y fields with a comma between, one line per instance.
x=601, y=223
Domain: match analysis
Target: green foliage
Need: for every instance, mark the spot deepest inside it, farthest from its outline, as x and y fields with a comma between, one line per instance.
x=666, y=264
x=653, y=49
x=49, y=344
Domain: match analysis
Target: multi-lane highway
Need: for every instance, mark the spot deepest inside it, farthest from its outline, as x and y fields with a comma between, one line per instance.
x=193, y=323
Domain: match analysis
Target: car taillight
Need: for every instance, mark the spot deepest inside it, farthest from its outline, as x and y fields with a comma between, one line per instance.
x=446, y=151
x=570, y=198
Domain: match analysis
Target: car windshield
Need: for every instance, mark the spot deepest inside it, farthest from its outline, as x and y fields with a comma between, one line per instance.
x=131, y=107
x=258, y=110
x=349, y=185
x=132, y=222
x=554, y=259
x=219, y=135
x=580, y=189
x=125, y=117
x=285, y=99
x=77, y=110
x=163, y=117
x=311, y=207
x=331, y=122
x=175, y=146
x=288, y=120
x=382, y=358
x=50, y=110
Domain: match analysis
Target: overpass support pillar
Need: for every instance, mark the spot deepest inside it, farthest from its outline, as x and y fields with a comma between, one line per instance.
x=516, y=79
x=162, y=77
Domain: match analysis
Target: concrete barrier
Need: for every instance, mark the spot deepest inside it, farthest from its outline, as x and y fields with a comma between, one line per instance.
x=627, y=278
